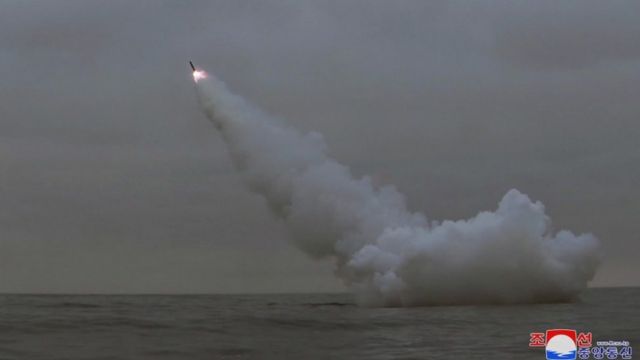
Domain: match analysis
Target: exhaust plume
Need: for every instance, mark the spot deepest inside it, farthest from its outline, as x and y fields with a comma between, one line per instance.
x=386, y=254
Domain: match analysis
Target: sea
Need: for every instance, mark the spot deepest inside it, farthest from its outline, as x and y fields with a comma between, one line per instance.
x=296, y=326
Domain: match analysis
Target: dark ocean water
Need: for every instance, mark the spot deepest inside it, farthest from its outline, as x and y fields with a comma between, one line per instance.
x=295, y=327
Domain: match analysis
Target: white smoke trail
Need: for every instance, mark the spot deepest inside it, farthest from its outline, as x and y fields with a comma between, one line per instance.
x=386, y=254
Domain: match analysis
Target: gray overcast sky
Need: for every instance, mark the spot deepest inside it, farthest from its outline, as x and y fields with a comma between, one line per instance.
x=111, y=180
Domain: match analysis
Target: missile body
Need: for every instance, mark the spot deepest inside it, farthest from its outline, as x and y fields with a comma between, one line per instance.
x=192, y=67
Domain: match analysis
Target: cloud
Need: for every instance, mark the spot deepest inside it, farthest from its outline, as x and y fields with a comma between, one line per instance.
x=101, y=138
x=568, y=35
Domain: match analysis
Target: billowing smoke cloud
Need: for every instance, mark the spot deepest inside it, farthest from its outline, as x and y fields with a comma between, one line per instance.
x=386, y=254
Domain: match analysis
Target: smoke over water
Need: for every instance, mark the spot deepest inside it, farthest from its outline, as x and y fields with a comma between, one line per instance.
x=386, y=254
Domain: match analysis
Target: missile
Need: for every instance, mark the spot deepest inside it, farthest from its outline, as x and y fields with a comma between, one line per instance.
x=197, y=74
